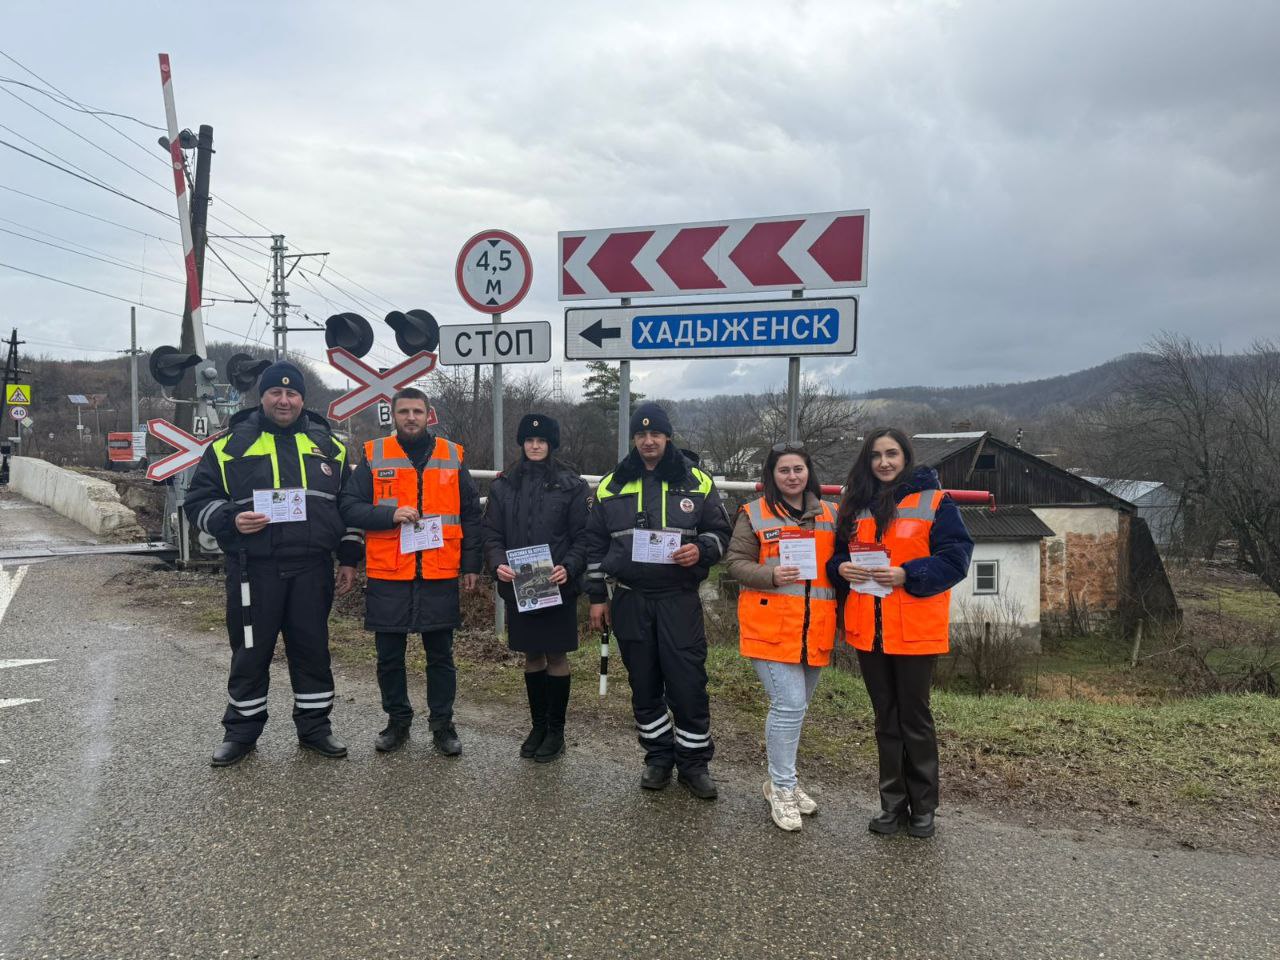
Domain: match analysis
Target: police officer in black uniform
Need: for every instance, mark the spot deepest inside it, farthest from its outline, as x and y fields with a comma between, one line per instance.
x=655, y=610
x=286, y=567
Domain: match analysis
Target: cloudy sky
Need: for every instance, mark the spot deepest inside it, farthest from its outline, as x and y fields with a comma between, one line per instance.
x=1050, y=183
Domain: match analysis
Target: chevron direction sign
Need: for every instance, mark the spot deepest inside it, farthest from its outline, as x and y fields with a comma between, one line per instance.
x=754, y=328
x=816, y=251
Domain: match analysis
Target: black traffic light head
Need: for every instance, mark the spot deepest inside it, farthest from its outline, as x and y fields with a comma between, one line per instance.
x=169, y=365
x=416, y=330
x=243, y=371
x=350, y=331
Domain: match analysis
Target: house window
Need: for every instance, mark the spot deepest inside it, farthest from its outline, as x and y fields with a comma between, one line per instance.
x=986, y=576
x=985, y=461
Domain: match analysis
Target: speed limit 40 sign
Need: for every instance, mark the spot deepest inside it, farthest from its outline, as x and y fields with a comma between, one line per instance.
x=494, y=271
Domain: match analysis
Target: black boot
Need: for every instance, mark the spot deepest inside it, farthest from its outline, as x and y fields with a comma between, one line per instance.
x=557, y=705
x=230, y=752
x=392, y=738
x=535, y=685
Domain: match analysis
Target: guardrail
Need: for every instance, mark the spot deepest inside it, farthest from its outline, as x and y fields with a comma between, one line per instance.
x=980, y=497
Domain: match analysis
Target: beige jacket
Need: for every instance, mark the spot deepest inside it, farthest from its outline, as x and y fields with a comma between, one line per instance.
x=743, y=556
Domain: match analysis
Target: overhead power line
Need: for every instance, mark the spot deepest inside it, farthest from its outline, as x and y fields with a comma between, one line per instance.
x=101, y=293
x=96, y=183
x=63, y=101
x=91, y=216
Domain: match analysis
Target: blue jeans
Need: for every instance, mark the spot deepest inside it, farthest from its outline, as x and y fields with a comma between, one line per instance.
x=790, y=686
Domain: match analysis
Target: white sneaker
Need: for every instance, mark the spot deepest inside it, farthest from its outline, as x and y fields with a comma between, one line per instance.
x=782, y=807
x=805, y=802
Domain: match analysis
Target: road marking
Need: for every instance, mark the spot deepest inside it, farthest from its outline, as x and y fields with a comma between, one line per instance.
x=15, y=703
x=22, y=663
x=9, y=588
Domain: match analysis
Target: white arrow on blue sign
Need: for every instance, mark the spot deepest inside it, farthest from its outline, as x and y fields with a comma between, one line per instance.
x=753, y=328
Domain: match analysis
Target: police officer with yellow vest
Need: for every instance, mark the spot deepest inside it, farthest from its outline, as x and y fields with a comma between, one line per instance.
x=286, y=567
x=655, y=610
x=415, y=480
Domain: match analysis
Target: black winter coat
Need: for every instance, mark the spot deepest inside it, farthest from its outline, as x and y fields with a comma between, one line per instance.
x=691, y=505
x=212, y=507
x=538, y=505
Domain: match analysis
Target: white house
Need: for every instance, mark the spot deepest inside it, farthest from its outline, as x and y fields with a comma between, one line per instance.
x=1004, y=576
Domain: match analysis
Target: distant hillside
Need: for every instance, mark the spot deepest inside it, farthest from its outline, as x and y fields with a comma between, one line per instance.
x=1029, y=399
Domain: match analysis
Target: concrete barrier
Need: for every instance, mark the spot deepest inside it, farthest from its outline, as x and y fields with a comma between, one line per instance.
x=94, y=504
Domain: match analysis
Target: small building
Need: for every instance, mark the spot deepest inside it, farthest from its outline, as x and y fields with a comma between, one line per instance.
x=1157, y=503
x=1003, y=585
x=1100, y=564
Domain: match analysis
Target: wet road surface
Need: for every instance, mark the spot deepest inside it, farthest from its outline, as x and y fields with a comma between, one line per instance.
x=118, y=840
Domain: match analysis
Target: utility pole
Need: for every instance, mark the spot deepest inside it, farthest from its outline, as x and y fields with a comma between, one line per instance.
x=133, y=353
x=279, y=298
x=12, y=374
x=280, y=295
x=186, y=390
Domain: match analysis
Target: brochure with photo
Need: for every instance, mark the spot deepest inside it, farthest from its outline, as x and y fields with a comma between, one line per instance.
x=533, y=587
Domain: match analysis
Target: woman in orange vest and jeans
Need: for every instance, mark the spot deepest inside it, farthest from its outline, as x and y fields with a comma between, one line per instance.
x=898, y=616
x=786, y=621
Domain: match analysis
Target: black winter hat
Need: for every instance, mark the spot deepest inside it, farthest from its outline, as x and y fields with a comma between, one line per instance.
x=539, y=425
x=282, y=373
x=650, y=416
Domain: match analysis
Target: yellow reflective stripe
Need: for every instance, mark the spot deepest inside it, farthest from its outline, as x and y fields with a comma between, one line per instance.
x=704, y=481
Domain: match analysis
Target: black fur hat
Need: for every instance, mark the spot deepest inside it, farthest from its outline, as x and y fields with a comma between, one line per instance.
x=539, y=425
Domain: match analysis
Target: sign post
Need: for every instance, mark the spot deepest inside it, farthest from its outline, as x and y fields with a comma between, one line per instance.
x=493, y=272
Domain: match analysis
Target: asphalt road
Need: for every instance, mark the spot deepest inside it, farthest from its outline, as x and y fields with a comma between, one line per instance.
x=117, y=840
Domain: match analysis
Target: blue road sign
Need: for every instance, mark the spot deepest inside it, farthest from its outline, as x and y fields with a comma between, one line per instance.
x=745, y=329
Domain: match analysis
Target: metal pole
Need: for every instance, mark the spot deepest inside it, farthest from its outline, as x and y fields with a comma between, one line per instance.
x=793, y=389
x=793, y=398
x=624, y=401
x=499, y=607
x=133, y=369
x=279, y=299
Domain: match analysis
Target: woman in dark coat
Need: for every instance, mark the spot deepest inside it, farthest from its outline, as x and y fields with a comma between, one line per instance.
x=538, y=500
x=897, y=614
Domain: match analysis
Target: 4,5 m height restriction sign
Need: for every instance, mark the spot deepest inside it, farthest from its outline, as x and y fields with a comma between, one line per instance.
x=753, y=328
x=494, y=271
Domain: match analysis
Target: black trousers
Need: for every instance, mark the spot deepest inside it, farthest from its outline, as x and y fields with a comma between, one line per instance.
x=442, y=676
x=664, y=647
x=292, y=599
x=908, y=744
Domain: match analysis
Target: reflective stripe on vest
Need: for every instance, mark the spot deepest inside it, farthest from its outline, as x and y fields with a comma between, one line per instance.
x=636, y=488
x=772, y=620
x=264, y=445
x=908, y=624
x=440, y=497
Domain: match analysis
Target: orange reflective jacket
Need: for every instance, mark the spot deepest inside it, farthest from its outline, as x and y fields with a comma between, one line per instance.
x=798, y=619
x=910, y=625
x=434, y=492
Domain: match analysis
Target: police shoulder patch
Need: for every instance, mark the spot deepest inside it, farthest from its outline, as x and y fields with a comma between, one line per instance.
x=686, y=505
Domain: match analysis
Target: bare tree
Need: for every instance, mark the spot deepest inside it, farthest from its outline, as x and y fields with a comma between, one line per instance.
x=726, y=431
x=828, y=424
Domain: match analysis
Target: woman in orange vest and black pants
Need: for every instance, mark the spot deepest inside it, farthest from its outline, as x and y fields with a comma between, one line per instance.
x=786, y=620
x=898, y=616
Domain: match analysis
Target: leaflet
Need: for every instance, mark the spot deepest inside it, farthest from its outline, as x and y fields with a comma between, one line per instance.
x=871, y=556
x=532, y=586
x=426, y=533
x=799, y=548
x=654, y=546
x=285, y=505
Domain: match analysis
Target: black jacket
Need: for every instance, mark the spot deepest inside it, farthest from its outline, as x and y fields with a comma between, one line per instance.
x=402, y=606
x=691, y=504
x=212, y=506
x=538, y=505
